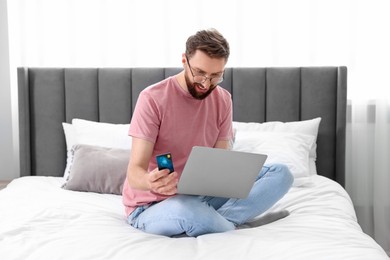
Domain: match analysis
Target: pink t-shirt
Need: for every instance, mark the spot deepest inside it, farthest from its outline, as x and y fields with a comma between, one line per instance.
x=174, y=121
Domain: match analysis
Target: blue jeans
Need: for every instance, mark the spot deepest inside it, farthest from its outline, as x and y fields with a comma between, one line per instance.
x=198, y=215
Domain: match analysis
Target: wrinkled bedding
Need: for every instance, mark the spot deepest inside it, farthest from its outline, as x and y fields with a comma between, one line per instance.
x=40, y=220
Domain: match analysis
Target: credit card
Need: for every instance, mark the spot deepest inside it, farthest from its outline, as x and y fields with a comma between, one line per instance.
x=164, y=161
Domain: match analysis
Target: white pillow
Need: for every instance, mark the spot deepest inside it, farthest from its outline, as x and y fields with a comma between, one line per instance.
x=291, y=149
x=94, y=133
x=70, y=141
x=309, y=127
x=102, y=134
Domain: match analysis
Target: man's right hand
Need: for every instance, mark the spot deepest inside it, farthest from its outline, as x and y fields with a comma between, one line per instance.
x=163, y=182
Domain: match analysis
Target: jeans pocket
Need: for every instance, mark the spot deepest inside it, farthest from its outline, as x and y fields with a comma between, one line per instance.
x=132, y=218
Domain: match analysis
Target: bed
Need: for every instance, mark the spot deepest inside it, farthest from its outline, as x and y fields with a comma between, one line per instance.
x=296, y=114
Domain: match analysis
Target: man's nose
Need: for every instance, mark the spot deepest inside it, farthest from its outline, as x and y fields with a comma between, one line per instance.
x=207, y=83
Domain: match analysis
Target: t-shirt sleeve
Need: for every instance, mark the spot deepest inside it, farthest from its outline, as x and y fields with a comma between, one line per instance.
x=226, y=125
x=145, y=121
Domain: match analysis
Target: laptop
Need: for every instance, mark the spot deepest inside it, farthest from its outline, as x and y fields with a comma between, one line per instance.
x=220, y=173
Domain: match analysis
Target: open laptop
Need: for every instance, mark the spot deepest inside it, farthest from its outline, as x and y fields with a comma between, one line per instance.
x=220, y=173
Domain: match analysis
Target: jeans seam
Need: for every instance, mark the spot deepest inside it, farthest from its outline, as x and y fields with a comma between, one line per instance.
x=199, y=226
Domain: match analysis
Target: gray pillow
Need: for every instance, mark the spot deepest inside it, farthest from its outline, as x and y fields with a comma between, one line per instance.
x=97, y=169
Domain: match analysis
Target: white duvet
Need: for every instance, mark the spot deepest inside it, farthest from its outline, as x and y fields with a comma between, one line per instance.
x=39, y=220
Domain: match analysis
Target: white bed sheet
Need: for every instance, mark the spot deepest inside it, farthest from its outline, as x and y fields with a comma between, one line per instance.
x=39, y=220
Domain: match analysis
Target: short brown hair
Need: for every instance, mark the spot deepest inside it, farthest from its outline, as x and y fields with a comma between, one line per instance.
x=209, y=41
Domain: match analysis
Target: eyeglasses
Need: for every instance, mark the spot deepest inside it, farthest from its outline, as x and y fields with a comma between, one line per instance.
x=202, y=79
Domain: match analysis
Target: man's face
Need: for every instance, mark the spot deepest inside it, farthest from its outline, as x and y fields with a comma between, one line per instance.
x=203, y=74
x=197, y=90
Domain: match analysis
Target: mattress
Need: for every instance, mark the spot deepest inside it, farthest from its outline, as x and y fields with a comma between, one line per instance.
x=40, y=220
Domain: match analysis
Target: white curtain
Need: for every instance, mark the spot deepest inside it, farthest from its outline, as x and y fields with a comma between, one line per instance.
x=149, y=33
x=368, y=166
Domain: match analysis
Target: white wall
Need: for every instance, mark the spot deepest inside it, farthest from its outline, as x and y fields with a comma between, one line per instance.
x=7, y=159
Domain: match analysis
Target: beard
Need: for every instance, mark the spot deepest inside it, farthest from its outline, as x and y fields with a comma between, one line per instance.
x=192, y=89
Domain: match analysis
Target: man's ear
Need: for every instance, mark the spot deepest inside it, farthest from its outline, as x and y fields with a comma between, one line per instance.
x=183, y=59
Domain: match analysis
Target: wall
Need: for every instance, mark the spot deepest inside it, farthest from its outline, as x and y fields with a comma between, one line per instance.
x=7, y=159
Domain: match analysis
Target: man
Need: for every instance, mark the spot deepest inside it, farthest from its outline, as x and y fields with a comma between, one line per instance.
x=174, y=115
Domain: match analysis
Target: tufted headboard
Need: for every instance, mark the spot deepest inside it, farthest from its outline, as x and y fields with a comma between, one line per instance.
x=50, y=96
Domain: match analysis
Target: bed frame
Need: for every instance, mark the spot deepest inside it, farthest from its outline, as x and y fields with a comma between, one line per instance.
x=50, y=96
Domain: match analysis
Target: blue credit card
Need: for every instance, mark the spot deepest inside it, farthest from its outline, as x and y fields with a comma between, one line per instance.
x=164, y=161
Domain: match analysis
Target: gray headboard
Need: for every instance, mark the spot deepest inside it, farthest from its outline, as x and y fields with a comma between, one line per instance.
x=50, y=96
